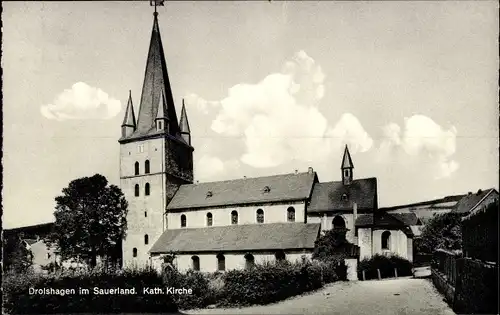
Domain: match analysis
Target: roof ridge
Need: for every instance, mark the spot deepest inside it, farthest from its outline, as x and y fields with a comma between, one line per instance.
x=249, y=178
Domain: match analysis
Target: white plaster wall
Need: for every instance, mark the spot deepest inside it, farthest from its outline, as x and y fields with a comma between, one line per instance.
x=138, y=225
x=208, y=262
x=273, y=213
x=352, y=268
x=398, y=243
x=365, y=243
x=327, y=223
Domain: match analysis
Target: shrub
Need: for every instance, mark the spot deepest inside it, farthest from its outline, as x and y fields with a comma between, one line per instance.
x=19, y=301
x=272, y=282
x=386, y=265
x=202, y=294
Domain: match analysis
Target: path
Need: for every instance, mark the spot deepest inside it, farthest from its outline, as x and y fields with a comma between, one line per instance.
x=398, y=296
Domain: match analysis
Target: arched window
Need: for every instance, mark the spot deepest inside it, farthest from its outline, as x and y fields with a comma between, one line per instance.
x=249, y=261
x=209, y=219
x=146, y=239
x=290, y=214
x=136, y=168
x=234, y=217
x=136, y=190
x=146, y=167
x=183, y=221
x=147, y=189
x=386, y=239
x=260, y=216
x=195, y=260
x=280, y=255
x=338, y=222
x=134, y=252
x=221, y=262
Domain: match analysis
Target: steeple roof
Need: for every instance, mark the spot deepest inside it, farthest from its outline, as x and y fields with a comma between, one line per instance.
x=155, y=81
x=129, y=119
x=184, y=124
x=346, y=160
x=161, y=108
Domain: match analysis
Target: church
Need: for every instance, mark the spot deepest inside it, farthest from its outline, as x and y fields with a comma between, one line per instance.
x=218, y=226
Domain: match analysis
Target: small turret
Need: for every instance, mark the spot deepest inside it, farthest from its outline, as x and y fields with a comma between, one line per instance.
x=129, y=123
x=347, y=167
x=161, y=119
x=184, y=125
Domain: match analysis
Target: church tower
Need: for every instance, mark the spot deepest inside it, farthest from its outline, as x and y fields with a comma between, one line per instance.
x=347, y=167
x=156, y=157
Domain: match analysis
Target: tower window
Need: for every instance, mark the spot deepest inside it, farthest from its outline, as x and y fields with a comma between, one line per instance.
x=146, y=239
x=146, y=167
x=183, y=220
x=136, y=167
x=145, y=214
x=234, y=217
x=291, y=214
x=147, y=189
x=260, y=216
x=134, y=252
x=209, y=219
x=160, y=125
x=346, y=173
x=136, y=190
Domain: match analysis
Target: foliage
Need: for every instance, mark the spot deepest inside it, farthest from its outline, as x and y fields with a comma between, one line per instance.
x=480, y=234
x=19, y=301
x=17, y=257
x=90, y=219
x=333, y=247
x=202, y=294
x=271, y=282
x=441, y=231
x=386, y=265
x=476, y=288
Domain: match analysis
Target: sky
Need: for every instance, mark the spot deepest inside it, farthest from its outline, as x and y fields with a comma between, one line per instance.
x=269, y=88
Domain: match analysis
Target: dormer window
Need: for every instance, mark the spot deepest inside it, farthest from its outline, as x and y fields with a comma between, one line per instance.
x=344, y=197
x=267, y=189
x=209, y=194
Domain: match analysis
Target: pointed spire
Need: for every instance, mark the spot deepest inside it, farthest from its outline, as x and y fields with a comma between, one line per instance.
x=156, y=80
x=184, y=124
x=161, y=108
x=346, y=160
x=129, y=124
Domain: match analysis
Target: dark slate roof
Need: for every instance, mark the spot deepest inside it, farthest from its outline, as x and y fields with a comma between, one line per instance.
x=328, y=196
x=285, y=187
x=346, y=160
x=469, y=202
x=156, y=81
x=435, y=203
x=129, y=119
x=271, y=236
x=385, y=219
x=184, y=123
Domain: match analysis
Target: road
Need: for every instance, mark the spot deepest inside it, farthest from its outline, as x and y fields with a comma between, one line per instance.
x=402, y=296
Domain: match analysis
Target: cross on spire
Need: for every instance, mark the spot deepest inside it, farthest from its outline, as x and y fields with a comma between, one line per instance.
x=156, y=3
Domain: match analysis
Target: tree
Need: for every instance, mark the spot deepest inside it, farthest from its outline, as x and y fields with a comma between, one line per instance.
x=333, y=244
x=441, y=231
x=90, y=219
x=17, y=257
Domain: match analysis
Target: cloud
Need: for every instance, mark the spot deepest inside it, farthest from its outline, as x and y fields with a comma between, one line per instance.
x=209, y=166
x=279, y=117
x=82, y=102
x=421, y=140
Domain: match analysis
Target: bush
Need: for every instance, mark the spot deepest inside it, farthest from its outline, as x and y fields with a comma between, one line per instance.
x=202, y=294
x=272, y=282
x=19, y=301
x=386, y=265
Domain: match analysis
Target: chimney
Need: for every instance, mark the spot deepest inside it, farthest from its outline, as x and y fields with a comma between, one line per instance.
x=310, y=170
x=355, y=211
x=296, y=172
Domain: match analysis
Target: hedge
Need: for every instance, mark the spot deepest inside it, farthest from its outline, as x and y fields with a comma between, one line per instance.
x=386, y=265
x=272, y=282
x=18, y=300
x=480, y=234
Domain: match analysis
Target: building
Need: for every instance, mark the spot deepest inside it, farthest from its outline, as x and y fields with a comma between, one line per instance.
x=228, y=224
x=475, y=202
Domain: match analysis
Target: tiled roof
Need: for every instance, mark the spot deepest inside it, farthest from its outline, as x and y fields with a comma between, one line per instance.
x=271, y=236
x=244, y=191
x=444, y=203
x=328, y=196
x=467, y=203
x=385, y=219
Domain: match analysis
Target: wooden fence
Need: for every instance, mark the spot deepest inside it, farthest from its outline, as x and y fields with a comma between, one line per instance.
x=445, y=262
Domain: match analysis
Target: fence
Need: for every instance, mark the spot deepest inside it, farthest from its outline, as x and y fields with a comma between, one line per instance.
x=480, y=234
x=445, y=262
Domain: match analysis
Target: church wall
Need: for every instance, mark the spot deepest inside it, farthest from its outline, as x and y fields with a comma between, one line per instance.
x=364, y=243
x=327, y=223
x=398, y=243
x=208, y=262
x=273, y=213
x=145, y=213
